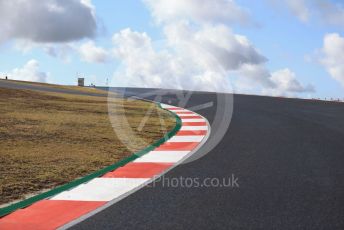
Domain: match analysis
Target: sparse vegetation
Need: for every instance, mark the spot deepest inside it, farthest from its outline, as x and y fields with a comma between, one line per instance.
x=48, y=139
x=53, y=86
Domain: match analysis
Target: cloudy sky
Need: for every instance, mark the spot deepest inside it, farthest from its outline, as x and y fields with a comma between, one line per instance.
x=269, y=47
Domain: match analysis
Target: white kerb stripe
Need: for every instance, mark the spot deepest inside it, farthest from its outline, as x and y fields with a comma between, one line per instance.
x=179, y=110
x=182, y=113
x=194, y=128
x=187, y=115
x=186, y=139
x=101, y=189
x=192, y=120
x=165, y=106
x=162, y=156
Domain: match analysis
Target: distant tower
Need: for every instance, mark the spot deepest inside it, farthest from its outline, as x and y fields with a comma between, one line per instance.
x=81, y=81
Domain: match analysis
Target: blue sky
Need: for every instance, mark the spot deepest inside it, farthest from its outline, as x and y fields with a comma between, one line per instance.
x=286, y=41
x=290, y=35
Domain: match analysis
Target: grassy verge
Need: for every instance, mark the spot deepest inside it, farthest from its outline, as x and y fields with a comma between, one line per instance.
x=54, y=86
x=48, y=139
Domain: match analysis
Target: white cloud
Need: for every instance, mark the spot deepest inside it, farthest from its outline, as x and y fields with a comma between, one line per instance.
x=333, y=58
x=200, y=11
x=330, y=13
x=281, y=82
x=128, y=41
x=47, y=21
x=187, y=65
x=200, y=47
x=200, y=51
x=62, y=51
x=299, y=9
x=169, y=67
x=89, y=52
x=252, y=75
x=29, y=72
x=287, y=84
x=230, y=49
x=324, y=11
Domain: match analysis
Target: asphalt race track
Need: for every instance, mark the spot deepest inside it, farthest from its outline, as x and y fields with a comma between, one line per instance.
x=287, y=154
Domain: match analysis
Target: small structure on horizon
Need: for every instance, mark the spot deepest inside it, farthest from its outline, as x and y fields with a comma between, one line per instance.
x=81, y=81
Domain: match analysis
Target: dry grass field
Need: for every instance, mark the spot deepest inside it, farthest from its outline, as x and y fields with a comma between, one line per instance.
x=54, y=86
x=48, y=139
